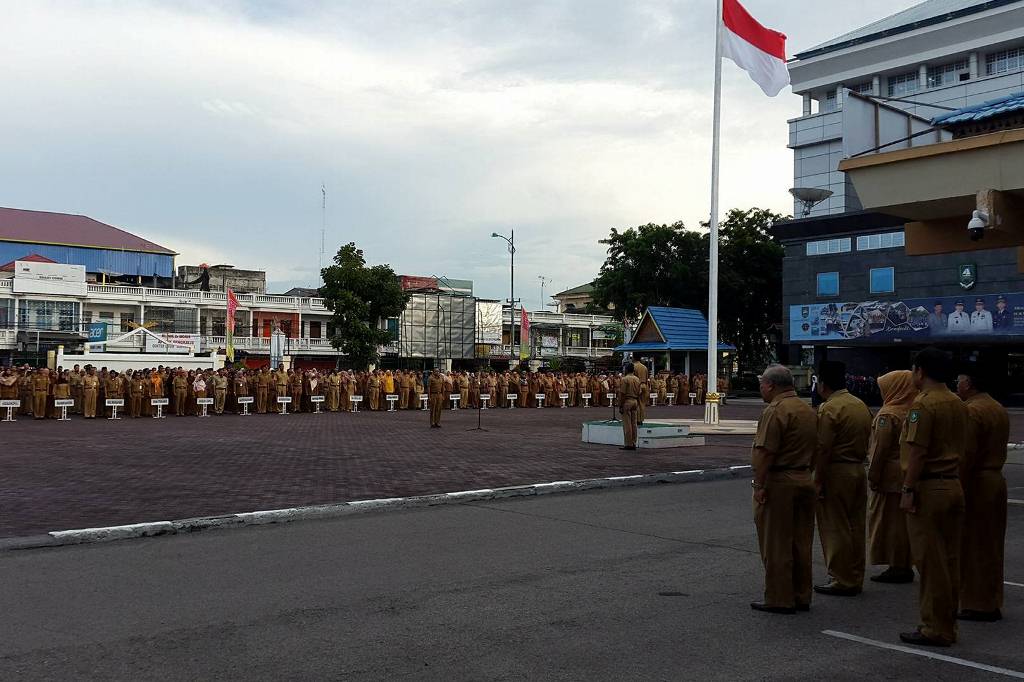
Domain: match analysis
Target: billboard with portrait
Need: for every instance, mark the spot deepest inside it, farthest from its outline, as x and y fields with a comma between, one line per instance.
x=944, y=318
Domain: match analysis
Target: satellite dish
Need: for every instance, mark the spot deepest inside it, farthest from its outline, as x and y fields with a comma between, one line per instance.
x=810, y=197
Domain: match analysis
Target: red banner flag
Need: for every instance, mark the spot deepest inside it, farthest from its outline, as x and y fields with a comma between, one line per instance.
x=524, y=335
x=230, y=327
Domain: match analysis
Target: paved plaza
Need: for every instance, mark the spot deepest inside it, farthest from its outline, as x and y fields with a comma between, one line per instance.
x=78, y=474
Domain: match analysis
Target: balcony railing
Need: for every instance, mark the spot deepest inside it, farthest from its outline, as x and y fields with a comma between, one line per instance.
x=7, y=283
x=146, y=294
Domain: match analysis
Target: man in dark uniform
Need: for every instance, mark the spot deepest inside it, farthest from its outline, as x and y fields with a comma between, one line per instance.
x=931, y=445
x=1002, y=318
x=985, y=498
x=844, y=427
x=784, y=493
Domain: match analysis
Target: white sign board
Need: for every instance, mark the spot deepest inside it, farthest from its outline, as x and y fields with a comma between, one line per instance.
x=316, y=398
x=62, y=402
x=49, y=278
x=172, y=343
x=204, y=401
x=285, y=399
x=115, y=402
x=10, y=403
x=157, y=402
x=245, y=400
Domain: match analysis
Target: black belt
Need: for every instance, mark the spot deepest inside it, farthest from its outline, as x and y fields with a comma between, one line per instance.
x=782, y=468
x=937, y=477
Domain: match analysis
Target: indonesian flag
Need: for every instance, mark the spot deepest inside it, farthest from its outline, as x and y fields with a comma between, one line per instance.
x=759, y=51
x=230, y=326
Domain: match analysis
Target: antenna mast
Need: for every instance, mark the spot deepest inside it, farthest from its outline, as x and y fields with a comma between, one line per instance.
x=323, y=224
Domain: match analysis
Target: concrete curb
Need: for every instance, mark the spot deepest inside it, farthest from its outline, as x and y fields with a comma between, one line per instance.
x=329, y=511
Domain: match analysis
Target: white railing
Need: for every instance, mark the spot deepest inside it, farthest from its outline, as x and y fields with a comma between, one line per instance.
x=7, y=283
x=570, y=319
x=144, y=294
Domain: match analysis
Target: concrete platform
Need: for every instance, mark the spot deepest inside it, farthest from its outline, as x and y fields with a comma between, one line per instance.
x=725, y=427
x=652, y=435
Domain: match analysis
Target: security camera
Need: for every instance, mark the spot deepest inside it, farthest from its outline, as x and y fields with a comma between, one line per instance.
x=977, y=225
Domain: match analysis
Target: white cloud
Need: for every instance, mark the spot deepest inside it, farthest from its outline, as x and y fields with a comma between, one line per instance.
x=432, y=122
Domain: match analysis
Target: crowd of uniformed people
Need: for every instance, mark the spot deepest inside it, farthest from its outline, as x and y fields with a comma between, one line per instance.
x=919, y=484
x=311, y=390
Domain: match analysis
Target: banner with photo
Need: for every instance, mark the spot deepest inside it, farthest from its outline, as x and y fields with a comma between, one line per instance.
x=947, y=317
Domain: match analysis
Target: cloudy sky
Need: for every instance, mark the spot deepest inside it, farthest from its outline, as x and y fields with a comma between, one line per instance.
x=210, y=127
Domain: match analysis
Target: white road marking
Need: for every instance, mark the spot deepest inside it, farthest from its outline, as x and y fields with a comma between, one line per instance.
x=926, y=654
x=1007, y=582
x=1017, y=502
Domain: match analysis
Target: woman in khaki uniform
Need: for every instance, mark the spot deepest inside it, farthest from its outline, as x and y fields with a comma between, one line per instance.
x=888, y=543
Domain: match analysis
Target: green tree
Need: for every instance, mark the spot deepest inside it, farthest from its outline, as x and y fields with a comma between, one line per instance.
x=360, y=297
x=667, y=265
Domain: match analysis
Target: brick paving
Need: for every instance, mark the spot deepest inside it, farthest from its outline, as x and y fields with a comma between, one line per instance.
x=62, y=475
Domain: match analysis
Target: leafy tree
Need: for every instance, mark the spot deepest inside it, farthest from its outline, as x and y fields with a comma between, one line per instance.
x=667, y=265
x=360, y=297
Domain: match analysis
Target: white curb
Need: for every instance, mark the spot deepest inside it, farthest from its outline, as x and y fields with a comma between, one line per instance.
x=328, y=511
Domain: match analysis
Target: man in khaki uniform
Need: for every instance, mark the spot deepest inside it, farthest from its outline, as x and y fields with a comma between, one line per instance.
x=240, y=389
x=373, y=391
x=629, y=399
x=435, y=388
x=220, y=391
x=281, y=385
x=640, y=371
x=112, y=391
x=75, y=380
x=783, y=498
x=985, y=494
x=931, y=446
x=90, y=389
x=137, y=386
x=40, y=389
x=180, y=386
x=263, y=381
x=844, y=428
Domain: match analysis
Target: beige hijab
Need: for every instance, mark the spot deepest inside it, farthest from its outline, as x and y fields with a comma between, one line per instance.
x=898, y=392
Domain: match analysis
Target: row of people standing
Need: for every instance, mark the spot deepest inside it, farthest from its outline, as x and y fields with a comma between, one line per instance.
x=91, y=387
x=932, y=461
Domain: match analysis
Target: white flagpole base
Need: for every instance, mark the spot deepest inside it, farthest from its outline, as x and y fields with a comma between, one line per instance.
x=711, y=409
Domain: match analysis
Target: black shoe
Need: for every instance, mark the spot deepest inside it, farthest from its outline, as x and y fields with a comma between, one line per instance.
x=835, y=590
x=895, y=576
x=917, y=638
x=628, y=447
x=803, y=607
x=980, y=616
x=760, y=606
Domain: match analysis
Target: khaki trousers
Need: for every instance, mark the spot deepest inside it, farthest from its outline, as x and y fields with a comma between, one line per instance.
x=135, y=405
x=641, y=411
x=842, y=521
x=435, y=409
x=261, y=399
x=984, y=537
x=935, y=545
x=629, y=413
x=179, y=402
x=39, y=404
x=785, y=533
x=888, y=543
x=219, y=396
x=89, y=402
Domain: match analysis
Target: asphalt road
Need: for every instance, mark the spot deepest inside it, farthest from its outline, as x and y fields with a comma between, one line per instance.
x=645, y=583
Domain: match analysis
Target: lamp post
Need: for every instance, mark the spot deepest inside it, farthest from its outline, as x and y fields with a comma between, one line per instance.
x=511, y=240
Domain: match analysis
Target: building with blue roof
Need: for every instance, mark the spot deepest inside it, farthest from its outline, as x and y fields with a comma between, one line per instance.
x=674, y=338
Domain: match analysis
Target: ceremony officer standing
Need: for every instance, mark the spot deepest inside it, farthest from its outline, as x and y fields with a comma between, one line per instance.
x=436, y=392
x=931, y=446
x=640, y=370
x=844, y=427
x=629, y=401
x=981, y=475
x=784, y=493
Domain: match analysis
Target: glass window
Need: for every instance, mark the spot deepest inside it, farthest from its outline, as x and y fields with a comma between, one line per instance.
x=6, y=313
x=947, y=74
x=888, y=240
x=1004, y=61
x=865, y=88
x=828, y=284
x=827, y=246
x=883, y=280
x=829, y=103
x=49, y=315
x=903, y=84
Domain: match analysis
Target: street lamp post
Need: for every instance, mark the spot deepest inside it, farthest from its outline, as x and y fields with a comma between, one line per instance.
x=511, y=240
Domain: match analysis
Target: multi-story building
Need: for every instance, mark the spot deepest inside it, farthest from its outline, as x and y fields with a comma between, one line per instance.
x=863, y=271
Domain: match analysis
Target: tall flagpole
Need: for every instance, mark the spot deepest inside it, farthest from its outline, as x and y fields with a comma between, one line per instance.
x=711, y=411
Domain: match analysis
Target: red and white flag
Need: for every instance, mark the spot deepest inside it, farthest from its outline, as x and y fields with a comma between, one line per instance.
x=759, y=51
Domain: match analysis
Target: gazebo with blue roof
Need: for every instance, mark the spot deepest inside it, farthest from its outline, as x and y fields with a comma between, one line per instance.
x=678, y=337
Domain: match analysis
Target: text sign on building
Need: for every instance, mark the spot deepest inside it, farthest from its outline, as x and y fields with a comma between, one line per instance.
x=172, y=343
x=49, y=278
x=97, y=332
x=913, y=319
